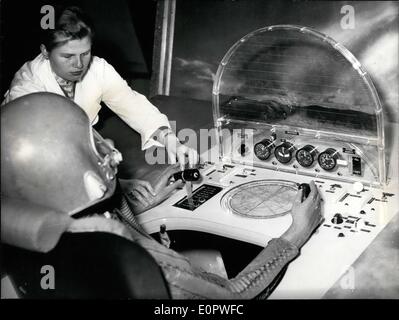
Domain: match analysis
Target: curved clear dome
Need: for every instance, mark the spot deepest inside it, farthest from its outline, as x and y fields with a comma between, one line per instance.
x=295, y=77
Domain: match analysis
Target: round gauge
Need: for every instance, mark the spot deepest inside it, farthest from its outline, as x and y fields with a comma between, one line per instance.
x=284, y=151
x=305, y=155
x=328, y=159
x=263, y=149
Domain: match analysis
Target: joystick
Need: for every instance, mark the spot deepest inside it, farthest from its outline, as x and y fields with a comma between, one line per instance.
x=358, y=186
x=337, y=219
x=187, y=175
x=306, y=190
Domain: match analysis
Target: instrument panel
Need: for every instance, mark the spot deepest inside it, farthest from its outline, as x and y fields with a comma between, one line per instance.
x=301, y=152
x=282, y=120
x=252, y=204
x=306, y=156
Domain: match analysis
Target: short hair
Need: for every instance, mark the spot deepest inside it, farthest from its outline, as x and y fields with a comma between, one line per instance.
x=71, y=23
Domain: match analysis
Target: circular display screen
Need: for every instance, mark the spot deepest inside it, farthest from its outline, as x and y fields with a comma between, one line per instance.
x=261, y=198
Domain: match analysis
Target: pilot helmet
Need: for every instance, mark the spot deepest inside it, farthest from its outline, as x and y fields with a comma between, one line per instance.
x=51, y=156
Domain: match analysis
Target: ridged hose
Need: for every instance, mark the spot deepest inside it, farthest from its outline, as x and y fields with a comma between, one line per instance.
x=129, y=218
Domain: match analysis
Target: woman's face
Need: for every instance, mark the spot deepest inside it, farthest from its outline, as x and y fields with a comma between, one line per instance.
x=71, y=60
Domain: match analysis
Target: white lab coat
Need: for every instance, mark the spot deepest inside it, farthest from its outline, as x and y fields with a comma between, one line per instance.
x=101, y=83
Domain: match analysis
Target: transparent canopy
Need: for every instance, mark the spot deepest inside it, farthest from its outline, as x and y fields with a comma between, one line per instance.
x=295, y=77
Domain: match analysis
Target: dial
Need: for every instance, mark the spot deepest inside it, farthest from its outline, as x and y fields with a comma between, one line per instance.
x=263, y=149
x=328, y=159
x=306, y=155
x=284, y=152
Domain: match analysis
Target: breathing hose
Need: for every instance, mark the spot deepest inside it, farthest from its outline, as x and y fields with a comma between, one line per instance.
x=128, y=217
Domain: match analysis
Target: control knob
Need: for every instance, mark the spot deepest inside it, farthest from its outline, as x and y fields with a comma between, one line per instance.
x=337, y=219
x=358, y=186
x=305, y=190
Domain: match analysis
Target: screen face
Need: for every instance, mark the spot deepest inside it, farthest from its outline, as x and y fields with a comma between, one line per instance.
x=261, y=199
x=205, y=30
x=292, y=76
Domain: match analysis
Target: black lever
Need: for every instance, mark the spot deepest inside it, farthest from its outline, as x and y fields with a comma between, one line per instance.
x=305, y=190
x=187, y=175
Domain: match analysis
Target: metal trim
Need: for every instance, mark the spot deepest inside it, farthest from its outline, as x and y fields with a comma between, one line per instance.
x=163, y=47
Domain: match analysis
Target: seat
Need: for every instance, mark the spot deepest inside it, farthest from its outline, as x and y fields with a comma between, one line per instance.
x=83, y=265
x=88, y=265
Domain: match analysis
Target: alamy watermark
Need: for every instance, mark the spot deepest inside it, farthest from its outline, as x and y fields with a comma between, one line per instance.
x=48, y=19
x=47, y=282
x=205, y=143
x=348, y=20
x=347, y=281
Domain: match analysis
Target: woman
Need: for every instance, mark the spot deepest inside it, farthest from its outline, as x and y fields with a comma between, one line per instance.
x=66, y=66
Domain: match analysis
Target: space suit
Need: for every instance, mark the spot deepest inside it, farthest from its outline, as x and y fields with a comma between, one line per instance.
x=52, y=159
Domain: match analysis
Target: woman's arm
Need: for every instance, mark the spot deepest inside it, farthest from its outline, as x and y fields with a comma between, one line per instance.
x=141, y=115
x=132, y=107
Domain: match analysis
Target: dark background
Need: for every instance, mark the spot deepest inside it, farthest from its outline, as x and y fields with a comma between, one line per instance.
x=204, y=31
x=124, y=35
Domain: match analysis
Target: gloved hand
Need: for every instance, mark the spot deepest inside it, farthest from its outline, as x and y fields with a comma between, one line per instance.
x=139, y=189
x=162, y=189
x=306, y=217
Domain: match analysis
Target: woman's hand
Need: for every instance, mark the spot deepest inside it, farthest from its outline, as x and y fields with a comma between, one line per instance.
x=306, y=217
x=179, y=151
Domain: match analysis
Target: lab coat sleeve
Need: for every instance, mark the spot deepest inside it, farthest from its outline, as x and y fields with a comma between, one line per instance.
x=131, y=106
x=23, y=83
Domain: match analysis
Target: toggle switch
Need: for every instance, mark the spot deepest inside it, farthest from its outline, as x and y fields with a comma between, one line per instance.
x=187, y=175
x=360, y=224
x=337, y=219
x=358, y=186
